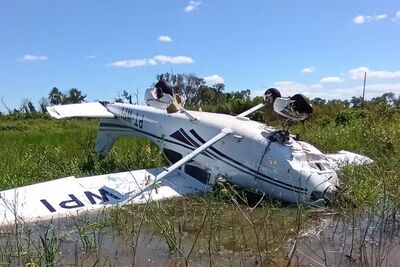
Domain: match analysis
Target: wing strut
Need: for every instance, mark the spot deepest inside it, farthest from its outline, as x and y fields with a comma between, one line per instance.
x=249, y=111
x=224, y=132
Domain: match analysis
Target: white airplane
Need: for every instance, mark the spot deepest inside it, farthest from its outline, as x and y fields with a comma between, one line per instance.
x=201, y=147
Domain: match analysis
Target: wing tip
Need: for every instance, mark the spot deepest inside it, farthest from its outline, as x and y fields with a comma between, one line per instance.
x=53, y=112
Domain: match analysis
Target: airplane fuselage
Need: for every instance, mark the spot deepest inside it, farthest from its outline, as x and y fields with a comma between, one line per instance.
x=254, y=156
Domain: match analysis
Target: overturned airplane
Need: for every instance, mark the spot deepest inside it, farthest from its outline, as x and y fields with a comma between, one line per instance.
x=201, y=148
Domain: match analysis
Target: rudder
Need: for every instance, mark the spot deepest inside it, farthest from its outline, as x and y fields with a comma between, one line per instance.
x=109, y=131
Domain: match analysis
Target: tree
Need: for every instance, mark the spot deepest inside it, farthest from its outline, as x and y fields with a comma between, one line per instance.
x=397, y=103
x=43, y=103
x=126, y=97
x=338, y=102
x=242, y=95
x=318, y=101
x=55, y=96
x=175, y=80
x=219, y=87
x=206, y=95
x=27, y=106
x=4, y=104
x=74, y=96
x=356, y=101
x=192, y=84
x=390, y=98
x=187, y=85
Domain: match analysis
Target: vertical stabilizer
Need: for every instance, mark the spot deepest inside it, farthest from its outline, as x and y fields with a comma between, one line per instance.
x=109, y=131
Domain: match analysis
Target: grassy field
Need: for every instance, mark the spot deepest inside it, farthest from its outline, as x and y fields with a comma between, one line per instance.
x=35, y=150
x=201, y=230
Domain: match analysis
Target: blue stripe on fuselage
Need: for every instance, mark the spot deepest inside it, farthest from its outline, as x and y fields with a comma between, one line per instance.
x=224, y=158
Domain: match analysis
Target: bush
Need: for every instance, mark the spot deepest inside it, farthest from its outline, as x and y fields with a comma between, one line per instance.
x=350, y=116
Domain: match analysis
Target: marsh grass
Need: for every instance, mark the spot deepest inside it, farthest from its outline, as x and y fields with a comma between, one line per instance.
x=218, y=229
x=41, y=150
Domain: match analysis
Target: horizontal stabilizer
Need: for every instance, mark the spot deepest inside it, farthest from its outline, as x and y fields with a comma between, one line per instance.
x=82, y=110
x=344, y=158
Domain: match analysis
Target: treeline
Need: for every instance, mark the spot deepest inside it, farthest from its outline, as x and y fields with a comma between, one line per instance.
x=214, y=98
x=55, y=97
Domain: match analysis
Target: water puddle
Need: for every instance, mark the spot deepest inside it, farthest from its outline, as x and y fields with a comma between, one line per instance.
x=194, y=232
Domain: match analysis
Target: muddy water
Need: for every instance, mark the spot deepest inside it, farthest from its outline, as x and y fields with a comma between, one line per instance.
x=198, y=233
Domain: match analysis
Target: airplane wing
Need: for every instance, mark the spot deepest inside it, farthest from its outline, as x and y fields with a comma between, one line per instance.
x=344, y=158
x=73, y=196
x=86, y=110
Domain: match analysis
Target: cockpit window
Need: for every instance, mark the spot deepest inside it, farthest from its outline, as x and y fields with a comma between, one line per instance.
x=197, y=173
x=172, y=156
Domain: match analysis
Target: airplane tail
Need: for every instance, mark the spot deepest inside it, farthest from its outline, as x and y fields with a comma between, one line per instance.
x=110, y=128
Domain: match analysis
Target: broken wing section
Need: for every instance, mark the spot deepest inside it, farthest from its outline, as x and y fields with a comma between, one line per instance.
x=72, y=196
x=82, y=110
x=344, y=158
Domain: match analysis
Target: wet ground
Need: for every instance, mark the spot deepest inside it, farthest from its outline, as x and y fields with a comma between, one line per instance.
x=198, y=233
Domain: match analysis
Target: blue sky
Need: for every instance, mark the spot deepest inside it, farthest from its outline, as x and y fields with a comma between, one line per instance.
x=319, y=48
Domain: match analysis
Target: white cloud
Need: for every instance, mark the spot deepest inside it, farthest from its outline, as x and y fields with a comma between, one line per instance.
x=159, y=59
x=342, y=86
x=152, y=62
x=308, y=70
x=34, y=58
x=331, y=91
x=316, y=86
x=213, y=79
x=131, y=63
x=371, y=90
x=192, y=6
x=174, y=60
x=164, y=38
x=380, y=88
x=361, y=19
x=358, y=73
x=380, y=16
x=331, y=79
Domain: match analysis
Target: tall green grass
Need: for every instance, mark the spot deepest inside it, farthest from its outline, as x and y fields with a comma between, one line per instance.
x=36, y=150
x=371, y=133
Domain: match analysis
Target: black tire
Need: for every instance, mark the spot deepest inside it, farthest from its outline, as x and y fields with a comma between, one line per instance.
x=164, y=87
x=301, y=104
